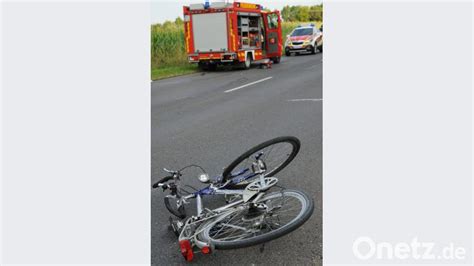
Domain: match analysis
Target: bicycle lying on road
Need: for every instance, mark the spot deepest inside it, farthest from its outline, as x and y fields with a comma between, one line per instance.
x=252, y=214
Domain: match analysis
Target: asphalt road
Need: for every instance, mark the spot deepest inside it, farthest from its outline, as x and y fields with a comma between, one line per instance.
x=194, y=120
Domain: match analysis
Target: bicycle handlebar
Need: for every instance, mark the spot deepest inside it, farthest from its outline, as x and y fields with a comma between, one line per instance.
x=161, y=181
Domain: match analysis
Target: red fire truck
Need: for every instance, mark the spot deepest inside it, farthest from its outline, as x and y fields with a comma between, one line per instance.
x=231, y=33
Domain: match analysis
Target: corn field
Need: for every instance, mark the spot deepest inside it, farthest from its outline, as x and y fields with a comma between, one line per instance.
x=168, y=48
x=167, y=45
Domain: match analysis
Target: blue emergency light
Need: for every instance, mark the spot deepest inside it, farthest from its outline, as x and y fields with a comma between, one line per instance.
x=207, y=4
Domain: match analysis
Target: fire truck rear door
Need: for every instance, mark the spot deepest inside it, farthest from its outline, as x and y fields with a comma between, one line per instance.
x=272, y=34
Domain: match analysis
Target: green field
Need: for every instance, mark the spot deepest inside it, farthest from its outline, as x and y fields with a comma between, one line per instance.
x=168, y=56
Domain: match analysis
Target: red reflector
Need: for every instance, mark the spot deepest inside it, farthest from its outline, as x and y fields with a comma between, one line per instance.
x=205, y=250
x=186, y=249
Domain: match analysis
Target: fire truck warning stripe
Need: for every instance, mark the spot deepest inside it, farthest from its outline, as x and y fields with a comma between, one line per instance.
x=232, y=34
x=248, y=84
x=188, y=35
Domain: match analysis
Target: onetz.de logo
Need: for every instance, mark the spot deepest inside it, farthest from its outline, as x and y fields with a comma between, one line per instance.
x=366, y=248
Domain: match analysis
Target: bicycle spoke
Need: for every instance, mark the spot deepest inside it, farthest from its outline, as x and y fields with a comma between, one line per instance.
x=268, y=154
x=223, y=227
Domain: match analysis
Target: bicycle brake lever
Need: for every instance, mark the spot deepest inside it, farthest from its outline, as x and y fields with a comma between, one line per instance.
x=168, y=171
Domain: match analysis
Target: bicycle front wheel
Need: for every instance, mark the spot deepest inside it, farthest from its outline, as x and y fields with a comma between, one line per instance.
x=275, y=215
x=276, y=153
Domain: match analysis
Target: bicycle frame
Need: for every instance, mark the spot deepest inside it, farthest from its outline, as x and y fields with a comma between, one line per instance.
x=212, y=190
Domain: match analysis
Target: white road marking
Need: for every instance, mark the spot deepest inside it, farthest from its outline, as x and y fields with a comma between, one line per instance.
x=249, y=84
x=305, y=100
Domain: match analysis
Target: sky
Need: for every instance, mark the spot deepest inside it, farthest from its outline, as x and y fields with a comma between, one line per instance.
x=163, y=10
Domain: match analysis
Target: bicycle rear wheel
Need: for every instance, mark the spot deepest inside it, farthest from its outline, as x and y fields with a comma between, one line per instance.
x=276, y=153
x=277, y=214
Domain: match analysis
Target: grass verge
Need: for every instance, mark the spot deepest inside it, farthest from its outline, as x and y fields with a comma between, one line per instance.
x=172, y=71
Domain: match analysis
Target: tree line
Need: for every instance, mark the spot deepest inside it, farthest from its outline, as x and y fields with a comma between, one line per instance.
x=302, y=13
x=288, y=13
